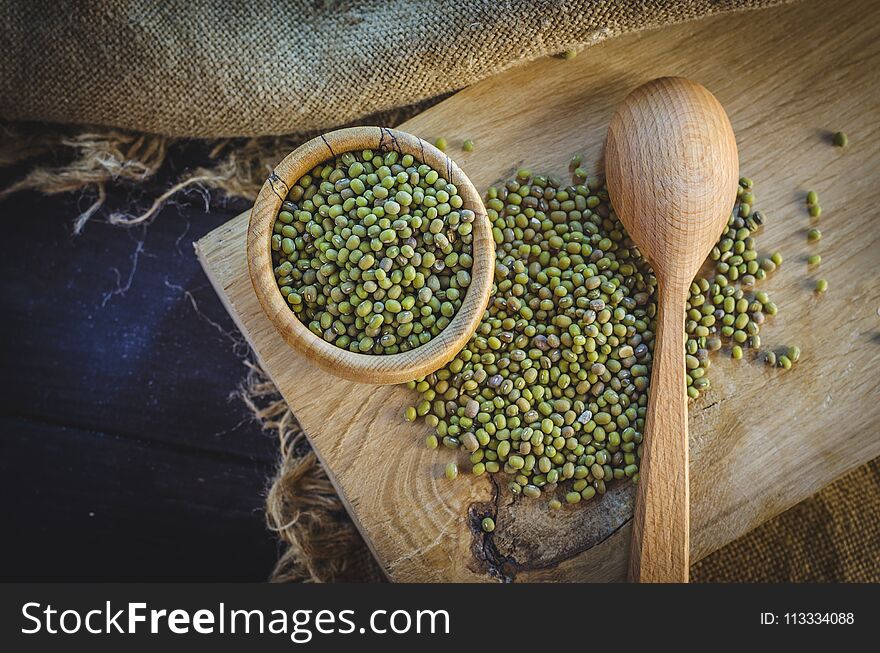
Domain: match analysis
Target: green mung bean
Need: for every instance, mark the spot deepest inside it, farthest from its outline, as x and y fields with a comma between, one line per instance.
x=468, y=145
x=815, y=211
x=814, y=235
x=441, y=144
x=488, y=524
x=821, y=285
x=451, y=471
x=812, y=198
x=840, y=139
x=814, y=259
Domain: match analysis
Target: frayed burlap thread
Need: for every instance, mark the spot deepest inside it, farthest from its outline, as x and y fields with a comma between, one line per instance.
x=302, y=506
x=97, y=159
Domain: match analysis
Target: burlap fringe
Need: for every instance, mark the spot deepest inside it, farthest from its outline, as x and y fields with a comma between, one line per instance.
x=96, y=158
x=302, y=507
x=92, y=159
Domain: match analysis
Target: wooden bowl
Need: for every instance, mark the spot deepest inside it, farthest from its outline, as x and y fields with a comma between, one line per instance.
x=368, y=368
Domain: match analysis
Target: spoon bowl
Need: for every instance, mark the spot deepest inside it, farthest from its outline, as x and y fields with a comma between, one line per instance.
x=671, y=166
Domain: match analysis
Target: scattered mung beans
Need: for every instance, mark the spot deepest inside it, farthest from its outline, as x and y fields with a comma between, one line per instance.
x=840, y=139
x=812, y=198
x=814, y=259
x=814, y=235
x=724, y=306
x=441, y=144
x=468, y=145
x=451, y=471
x=552, y=387
x=815, y=211
x=372, y=251
x=488, y=524
x=821, y=285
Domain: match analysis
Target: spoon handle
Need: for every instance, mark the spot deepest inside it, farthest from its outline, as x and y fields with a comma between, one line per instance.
x=660, y=547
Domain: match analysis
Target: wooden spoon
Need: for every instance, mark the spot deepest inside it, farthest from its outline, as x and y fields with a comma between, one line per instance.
x=671, y=165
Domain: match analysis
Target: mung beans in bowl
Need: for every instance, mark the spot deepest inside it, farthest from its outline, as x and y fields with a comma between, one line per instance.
x=371, y=253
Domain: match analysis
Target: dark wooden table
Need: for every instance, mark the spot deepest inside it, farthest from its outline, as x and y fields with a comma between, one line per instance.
x=123, y=453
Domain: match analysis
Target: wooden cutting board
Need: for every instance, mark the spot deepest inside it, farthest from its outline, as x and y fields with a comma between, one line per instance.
x=761, y=439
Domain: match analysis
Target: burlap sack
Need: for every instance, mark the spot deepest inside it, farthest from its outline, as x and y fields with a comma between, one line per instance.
x=232, y=68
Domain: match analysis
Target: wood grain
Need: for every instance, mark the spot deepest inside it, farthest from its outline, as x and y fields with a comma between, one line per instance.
x=660, y=546
x=761, y=439
x=364, y=368
x=672, y=169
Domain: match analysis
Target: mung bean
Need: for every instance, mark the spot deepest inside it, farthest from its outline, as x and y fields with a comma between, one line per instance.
x=451, y=471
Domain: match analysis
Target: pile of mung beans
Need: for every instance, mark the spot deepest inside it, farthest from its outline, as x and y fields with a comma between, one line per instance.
x=552, y=388
x=373, y=251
